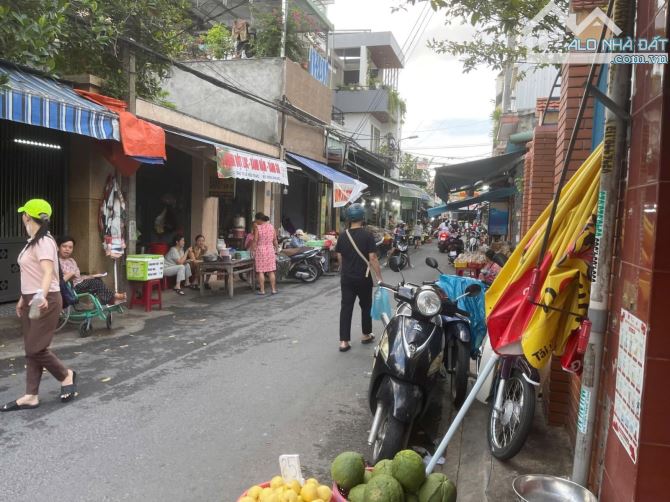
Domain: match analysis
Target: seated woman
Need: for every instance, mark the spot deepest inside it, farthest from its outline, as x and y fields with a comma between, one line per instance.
x=491, y=270
x=196, y=257
x=83, y=283
x=176, y=263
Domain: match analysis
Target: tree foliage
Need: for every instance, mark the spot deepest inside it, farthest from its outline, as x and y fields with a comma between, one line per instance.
x=64, y=37
x=500, y=38
x=302, y=31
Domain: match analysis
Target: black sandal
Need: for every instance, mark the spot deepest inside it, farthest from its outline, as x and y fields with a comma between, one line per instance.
x=344, y=349
x=179, y=291
x=68, y=392
x=370, y=339
x=14, y=406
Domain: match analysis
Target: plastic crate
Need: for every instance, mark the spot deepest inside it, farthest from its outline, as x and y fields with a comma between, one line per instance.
x=144, y=267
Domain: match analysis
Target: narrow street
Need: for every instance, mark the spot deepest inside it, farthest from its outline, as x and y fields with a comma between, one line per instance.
x=200, y=403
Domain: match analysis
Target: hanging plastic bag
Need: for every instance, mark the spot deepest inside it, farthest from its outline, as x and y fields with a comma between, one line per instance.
x=381, y=304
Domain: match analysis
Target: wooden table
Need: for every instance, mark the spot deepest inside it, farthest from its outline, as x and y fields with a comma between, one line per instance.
x=232, y=268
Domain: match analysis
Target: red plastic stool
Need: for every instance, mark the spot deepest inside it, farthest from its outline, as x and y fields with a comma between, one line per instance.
x=146, y=298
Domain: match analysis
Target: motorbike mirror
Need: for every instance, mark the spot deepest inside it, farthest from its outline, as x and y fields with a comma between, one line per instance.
x=431, y=262
x=394, y=263
x=473, y=289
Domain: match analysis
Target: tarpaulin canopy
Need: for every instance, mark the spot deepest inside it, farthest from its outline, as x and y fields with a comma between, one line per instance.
x=374, y=174
x=516, y=325
x=414, y=192
x=40, y=101
x=465, y=175
x=233, y=163
x=345, y=189
x=141, y=140
x=501, y=193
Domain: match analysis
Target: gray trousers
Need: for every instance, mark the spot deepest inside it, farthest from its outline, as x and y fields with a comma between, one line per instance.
x=183, y=272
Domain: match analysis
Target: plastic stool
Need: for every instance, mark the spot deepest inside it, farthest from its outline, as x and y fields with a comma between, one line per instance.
x=146, y=298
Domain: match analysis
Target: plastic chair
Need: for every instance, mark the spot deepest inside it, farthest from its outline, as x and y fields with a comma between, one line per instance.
x=146, y=297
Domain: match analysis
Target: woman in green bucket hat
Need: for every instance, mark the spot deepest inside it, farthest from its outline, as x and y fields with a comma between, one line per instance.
x=39, y=283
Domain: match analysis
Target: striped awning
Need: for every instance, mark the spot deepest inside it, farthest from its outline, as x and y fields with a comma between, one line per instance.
x=41, y=101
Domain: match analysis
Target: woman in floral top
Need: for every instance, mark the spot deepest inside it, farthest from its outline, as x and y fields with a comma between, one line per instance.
x=83, y=283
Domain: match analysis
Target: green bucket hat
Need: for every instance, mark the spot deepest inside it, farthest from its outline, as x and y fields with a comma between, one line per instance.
x=36, y=207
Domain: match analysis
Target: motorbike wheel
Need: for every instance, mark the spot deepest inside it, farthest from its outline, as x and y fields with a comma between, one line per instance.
x=391, y=438
x=508, y=430
x=313, y=273
x=403, y=261
x=461, y=368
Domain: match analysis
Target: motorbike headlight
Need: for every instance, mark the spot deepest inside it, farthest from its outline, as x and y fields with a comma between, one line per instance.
x=428, y=303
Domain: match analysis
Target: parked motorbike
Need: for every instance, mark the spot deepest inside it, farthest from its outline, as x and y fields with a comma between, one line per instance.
x=305, y=264
x=512, y=407
x=408, y=359
x=401, y=251
x=455, y=247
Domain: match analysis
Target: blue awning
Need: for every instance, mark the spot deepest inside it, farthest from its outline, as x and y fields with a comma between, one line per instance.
x=322, y=169
x=501, y=193
x=345, y=189
x=44, y=102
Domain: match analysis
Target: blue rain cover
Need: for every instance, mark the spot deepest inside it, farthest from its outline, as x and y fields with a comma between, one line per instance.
x=454, y=286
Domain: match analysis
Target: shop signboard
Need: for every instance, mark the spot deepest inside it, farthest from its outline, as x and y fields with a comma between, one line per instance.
x=344, y=193
x=232, y=163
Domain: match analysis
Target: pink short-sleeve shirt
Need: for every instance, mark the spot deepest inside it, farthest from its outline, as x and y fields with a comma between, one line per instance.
x=31, y=271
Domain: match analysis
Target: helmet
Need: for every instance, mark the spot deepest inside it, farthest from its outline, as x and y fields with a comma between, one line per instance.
x=35, y=208
x=355, y=212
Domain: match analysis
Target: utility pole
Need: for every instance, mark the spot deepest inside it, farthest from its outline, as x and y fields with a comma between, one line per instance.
x=284, y=21
x=614, y=155
x=131, y=187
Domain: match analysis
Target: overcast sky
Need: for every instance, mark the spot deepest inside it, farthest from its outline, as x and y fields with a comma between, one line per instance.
x=445, y=107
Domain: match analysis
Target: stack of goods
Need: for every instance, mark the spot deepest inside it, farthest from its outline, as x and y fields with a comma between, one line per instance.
x=397, y=480
x=471, y=259
x=280, y=490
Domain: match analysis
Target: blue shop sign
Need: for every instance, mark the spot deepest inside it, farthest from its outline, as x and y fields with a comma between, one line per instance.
x=318, y=66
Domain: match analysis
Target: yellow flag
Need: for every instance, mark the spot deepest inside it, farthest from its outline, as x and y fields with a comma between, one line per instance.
x=514, y=323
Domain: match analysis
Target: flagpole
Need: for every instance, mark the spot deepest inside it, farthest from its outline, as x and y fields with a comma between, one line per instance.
x=614, y=153
x=483, y=375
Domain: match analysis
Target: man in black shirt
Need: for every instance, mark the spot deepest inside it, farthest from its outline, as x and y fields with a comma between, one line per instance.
x=358, y=261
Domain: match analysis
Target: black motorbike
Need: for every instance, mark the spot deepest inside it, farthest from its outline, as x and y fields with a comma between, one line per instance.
x=409, y=359
x=454, y=247
x=400, y=250
x=305, y=264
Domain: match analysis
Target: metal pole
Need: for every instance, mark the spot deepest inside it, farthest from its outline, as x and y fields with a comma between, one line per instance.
x=132, y=180
x=483, y=375
x=284, y=23
x=614, y=154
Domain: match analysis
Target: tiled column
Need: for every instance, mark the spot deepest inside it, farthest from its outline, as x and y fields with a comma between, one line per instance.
x=641, y=285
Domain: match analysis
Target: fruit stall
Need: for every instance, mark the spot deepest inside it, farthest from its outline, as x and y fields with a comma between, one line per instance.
x=401, y=479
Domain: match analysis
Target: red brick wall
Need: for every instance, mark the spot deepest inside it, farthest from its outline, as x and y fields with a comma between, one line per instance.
x=573, y=79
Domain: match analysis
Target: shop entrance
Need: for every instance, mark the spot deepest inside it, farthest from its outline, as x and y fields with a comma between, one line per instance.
x=33, y=164
x=164, y=202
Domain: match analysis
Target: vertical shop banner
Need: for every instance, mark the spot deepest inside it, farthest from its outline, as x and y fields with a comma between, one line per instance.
x=318, y=67
x=629, y=378
x=231, y=163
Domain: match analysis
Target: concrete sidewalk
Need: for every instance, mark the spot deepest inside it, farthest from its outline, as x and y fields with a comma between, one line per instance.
x=129, y=322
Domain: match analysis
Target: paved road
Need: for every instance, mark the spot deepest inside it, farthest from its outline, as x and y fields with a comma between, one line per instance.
x=199, y=405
